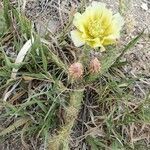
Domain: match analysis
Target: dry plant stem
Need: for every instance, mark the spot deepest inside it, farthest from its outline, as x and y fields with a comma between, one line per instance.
x=21, y=55
x=61, y=140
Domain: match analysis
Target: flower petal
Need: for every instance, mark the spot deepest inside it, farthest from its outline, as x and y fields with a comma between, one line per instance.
x=111, y=39
x=106, y=18
x=77, y=39
x=97, y=26
x=94, y=42
x=79, y=22
x=95, y=10
x=118, y=21
x=116, y=25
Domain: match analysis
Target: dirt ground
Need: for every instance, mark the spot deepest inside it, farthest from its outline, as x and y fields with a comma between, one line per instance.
x=137, y=16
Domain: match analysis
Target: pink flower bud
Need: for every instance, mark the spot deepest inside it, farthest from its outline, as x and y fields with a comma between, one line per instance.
x=95, y=66
x=76, y=70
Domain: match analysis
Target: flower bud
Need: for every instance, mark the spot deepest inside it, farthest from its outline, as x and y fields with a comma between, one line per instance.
x=95, y=66
x=76, y=70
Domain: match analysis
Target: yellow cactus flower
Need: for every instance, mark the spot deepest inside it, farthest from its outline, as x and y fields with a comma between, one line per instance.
x=97, y=26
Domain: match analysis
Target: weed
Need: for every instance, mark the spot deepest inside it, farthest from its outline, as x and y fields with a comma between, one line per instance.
x=38, y=101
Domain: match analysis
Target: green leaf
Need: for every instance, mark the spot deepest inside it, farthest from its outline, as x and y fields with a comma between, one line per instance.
x=7, y=8
x=54, y=58
x=129, y=45
x=92, y=143
x=25, y=24
x=7, y=61
x=2, y=24
x=11, y=65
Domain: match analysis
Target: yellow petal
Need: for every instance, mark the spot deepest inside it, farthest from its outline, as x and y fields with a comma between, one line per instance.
x=79, y=22
x=95, y=10
x=77, y=39
x=97, y=26
x=106, y=18
x=94, y=42
x=111, y=39
x=118, y=21
x=116, y=25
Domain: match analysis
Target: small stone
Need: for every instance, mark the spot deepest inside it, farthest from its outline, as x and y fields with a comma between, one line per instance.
x=144, y=6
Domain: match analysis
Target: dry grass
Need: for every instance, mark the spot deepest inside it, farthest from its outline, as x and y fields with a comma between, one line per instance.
x=41, y=108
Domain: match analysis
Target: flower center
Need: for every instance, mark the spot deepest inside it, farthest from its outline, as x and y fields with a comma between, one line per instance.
x=95, y=28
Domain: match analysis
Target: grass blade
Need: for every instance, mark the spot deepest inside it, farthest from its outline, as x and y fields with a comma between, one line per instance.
x=14, y=126
x=21, y=56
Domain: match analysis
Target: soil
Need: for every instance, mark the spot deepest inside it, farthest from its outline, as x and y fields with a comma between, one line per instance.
x=55, y=12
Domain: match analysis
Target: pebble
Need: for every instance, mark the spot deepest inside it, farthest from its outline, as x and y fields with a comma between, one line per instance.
x=144, y=6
